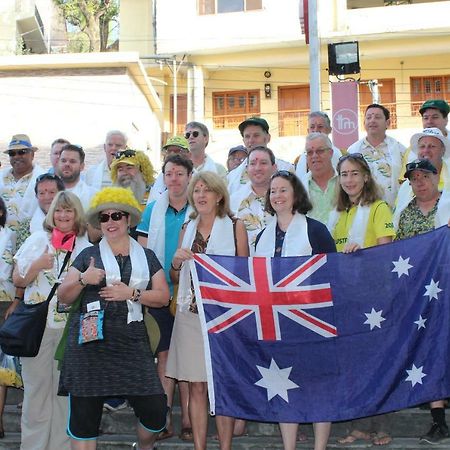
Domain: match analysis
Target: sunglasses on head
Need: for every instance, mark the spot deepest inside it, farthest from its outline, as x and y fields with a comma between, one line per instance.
x=47, y=176
x=282, y=173
x=116, y=216
x=21, y=152
x=188, y=134
x=357, y=156
x=125, y=154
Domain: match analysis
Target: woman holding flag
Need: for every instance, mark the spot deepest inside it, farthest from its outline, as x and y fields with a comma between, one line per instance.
x=212, y=230
x=293, y=234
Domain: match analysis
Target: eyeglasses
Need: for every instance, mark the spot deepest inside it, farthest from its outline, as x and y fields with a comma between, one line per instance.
x=21, y=152
x=125, y=154
x=47, y=176
x=116, y=216
x=282, y=173
x=318, y=152
x=188, y=134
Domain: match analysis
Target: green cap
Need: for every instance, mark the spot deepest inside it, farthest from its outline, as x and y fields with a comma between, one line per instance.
x=441, y=105
x=254, y=121
x=178, y=141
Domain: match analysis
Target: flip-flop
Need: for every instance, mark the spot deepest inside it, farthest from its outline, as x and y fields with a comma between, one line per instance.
x=381, y=438
x=164, y=434
x=355, y=435
x=301, y=437
x=186, y=434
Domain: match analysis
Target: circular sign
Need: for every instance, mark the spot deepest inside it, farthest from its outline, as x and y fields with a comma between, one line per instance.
x=345, y=121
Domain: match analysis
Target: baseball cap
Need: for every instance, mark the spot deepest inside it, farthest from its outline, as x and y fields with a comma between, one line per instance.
x=433, y=132
x=238, y=148
x=441, y=105
x=419, y=164
x=178, y=141
x=254, y=121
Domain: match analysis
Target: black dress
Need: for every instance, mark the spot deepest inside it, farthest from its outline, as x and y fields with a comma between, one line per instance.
x=122, y=363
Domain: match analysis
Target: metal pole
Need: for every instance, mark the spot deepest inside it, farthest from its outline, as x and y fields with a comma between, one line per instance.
x=175, y=97
x=314, y=57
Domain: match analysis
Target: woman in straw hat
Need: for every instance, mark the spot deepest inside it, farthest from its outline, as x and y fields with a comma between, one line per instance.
x=108, y=353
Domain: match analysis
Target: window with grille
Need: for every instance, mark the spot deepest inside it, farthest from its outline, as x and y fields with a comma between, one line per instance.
x=428, y=88
x=230, y=108
x=225, y=6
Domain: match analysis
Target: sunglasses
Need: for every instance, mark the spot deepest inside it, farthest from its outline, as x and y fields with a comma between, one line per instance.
x=21, y=152
x=420, y=164
x=282, y=173
x=188, y=134
x=47, y=176
x=116, y=216
x=357, y=156
x=125, y=154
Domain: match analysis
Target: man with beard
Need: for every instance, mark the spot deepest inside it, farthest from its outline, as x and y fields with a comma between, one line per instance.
x=132, y=169
x=69, y=167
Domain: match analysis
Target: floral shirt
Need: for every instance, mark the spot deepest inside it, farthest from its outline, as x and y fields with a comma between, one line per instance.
x=39, y=289
x=12, y=193
x=7, y=290
x=413, y=222
x=251, y=212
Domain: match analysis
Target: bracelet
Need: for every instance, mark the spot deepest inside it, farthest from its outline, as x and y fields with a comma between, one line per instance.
x=18, y=298
x=81, y=281
x=174, y=268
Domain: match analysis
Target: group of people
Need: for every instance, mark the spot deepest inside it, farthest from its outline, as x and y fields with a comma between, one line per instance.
x=118, y=239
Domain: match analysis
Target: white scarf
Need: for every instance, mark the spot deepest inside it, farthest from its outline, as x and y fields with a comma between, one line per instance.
x=140, y=274
x=157, y=189
x=37, y=221
x=97, y=175
x=208, y=164
x=221, y=242
x=296, y=241
x=7, y=238
x=84, y=192
x=443, y=208
x=156, y=238
x=358, y=228
x=235, y=177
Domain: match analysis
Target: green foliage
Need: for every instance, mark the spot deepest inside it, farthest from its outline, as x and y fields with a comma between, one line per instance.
x=91, y=17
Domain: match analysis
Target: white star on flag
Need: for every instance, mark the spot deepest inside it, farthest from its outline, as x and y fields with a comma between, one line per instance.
x=374, y=319
x=401, y=266
x=415, y=375
x=276, y=381
x=432, y=290
x=420, y=322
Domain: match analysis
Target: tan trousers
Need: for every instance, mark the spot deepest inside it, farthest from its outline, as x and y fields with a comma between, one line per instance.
x=44, y=414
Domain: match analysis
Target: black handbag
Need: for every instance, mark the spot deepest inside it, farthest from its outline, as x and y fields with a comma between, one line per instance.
x=22, y=332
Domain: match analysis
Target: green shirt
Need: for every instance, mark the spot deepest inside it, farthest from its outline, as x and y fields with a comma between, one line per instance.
x=322, y=201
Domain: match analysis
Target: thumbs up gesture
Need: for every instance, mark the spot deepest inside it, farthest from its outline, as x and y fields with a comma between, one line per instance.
x=92, y=275
x=46, y=260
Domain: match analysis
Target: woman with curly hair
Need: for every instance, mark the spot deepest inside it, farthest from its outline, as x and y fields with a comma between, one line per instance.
x=107, y=352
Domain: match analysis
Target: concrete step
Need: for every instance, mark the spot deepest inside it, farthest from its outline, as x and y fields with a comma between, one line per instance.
x=124, y=442
x=409, y=423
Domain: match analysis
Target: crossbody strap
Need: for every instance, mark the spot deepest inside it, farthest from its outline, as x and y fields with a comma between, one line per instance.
x=64, y=264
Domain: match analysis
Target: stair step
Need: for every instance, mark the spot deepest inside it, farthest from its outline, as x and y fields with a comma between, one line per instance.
x=124, y=442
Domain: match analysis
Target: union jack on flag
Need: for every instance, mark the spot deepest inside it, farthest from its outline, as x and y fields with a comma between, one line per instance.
x=327, y=337
x=291, y=296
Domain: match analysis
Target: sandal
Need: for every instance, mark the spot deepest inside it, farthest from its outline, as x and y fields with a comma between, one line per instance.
x=186, y=434
x=355, y=435
x=381, y=438
x=301, y=437
x=164, y=434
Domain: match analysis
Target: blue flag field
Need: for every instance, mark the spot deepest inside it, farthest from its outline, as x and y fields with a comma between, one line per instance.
x=327, y=337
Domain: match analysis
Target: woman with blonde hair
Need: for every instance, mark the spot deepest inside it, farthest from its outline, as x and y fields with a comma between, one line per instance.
x=38, y=263
x=213, y=230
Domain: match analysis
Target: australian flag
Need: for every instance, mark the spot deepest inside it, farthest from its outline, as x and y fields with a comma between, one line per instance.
x=327, y=337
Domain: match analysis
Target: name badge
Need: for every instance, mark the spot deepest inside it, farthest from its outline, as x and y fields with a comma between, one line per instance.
x=93, y=306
